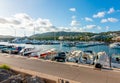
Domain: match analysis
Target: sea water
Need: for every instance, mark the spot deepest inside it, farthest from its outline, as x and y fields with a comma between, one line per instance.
x=97, y=48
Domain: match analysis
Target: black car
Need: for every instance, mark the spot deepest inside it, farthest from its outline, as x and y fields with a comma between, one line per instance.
x=61, y=57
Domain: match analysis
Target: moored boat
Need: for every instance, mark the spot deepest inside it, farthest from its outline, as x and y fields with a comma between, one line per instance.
x=115, y=45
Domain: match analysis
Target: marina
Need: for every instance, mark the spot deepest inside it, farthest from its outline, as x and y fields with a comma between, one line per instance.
x=60, y=41
x=61, y=53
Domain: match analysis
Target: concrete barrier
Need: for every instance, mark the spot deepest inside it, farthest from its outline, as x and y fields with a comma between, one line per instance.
x=47, y=78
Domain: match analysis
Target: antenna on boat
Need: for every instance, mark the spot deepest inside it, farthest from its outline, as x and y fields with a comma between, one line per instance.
x=33, y=33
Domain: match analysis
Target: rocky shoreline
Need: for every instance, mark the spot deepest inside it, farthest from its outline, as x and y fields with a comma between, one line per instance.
x=10, y=76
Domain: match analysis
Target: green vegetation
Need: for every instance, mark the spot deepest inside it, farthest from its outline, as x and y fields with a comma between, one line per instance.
x=4, y=66
x=72, y=36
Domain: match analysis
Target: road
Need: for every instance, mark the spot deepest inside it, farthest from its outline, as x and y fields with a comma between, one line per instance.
x=80, y=74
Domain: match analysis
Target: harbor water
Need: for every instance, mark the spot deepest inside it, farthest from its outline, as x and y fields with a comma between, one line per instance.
x=60, y=47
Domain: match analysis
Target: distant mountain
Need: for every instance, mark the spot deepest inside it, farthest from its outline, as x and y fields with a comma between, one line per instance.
x=8, y=36
x=110, y=32
x=74, y=35
x=51, y=34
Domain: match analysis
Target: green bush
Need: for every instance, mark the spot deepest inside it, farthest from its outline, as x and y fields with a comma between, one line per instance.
x=4, y=66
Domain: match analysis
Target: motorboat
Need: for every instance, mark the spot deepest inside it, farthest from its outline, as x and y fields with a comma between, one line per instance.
x=60, y=57
x=28, y=51
x=82, y=45
x=115, y=61
x=11, y=49
x=74, y=56
x=114, y=45
x=69, y=44
x=103, y=59
x=88, y=57
x=48, y=54
x=84, y=57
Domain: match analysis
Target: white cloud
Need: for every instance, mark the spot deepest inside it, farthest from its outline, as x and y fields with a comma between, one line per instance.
x=104, y=20
x=109, y=20
x=107, y=28
x=24, y=21
x=112, y=20
x=99, y=15
x=4, y=20
x=71, y=29
x=99, y=28
x=88, y=19
x=73, y=17
x=90, y=26
x=111, y=10
x=74, y=23
x=23, y=16
x=72, y=9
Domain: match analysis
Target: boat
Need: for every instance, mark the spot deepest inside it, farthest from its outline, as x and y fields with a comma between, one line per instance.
x=102, y=59
x=88, y=57
x=84, y=57
x=28, y=51
x=69, y=44
x=60, y=57
x=11, y=49
x=49, y=54
x=82, y=44
x=115, y=45
x=74, y=56
x=115, y=61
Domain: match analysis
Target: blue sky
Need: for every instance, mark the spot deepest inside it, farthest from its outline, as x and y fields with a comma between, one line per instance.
x=22, y=16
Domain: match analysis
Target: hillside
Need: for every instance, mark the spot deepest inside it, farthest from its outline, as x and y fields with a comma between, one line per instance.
x=73, y=35
x=51, y=34
x=8, y=36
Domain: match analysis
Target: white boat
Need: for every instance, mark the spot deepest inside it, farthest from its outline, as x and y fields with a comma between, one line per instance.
x=114, y=45
x=28, y=51
x=48, y=54
x=88, y=57
x=69, y=44
x=85, y=57
x=115, y=61
x=74, y=56
x=103, y=59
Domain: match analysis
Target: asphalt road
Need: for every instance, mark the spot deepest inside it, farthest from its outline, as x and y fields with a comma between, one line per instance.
x=80, y=74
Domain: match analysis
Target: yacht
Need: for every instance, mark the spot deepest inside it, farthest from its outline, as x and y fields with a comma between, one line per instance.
x=48, y=54
x=84, y=57
x=115, y=61
x=114, y=45
x=88, y=57
x=69, y=44
x=74, y=56
x=102, y=59
x=82, y=44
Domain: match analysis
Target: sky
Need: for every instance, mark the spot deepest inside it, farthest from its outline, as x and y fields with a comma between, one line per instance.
x=28, y=17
